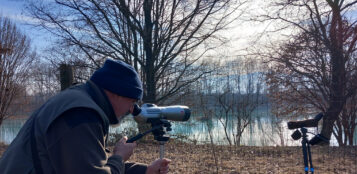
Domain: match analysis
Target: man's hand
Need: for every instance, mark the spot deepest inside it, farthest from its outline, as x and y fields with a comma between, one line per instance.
x=123, y=149
x=159, y=166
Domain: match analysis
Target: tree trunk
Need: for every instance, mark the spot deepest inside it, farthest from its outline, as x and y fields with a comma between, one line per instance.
x=150, y=91
x=338, y=82
x=150, y=94
x=66, y=76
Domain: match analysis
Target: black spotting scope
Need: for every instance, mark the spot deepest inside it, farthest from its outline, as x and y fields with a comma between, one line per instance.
x=305, y=123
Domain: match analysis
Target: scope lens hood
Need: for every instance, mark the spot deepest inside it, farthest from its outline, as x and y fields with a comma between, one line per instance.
x=187, y=114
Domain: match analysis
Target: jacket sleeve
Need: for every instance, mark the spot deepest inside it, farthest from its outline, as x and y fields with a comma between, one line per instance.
x=134, y=168
x=76, y=144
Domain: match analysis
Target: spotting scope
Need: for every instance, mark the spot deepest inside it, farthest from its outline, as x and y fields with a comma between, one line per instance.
x=305, y=143
x=158, y=117
x=305, y=123
x=152, y=111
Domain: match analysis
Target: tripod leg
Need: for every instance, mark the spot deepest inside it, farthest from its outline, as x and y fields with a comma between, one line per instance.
x=162, y=149
x=303, y=142
x=310, y=159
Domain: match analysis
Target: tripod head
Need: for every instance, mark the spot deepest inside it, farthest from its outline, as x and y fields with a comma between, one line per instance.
x=162, y=127
x=159, y=127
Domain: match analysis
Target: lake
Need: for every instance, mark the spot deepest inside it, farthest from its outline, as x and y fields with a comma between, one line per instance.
x=263, y=131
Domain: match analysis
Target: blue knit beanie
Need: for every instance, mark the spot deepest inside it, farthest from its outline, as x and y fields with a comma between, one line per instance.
x=119, y=78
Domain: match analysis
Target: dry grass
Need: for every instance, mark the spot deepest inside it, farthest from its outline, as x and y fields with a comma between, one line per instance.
x=192, y=159
x=188, y=158
x=2, y=148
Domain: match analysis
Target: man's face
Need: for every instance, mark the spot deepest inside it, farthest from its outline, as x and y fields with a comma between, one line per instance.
x=121, y=105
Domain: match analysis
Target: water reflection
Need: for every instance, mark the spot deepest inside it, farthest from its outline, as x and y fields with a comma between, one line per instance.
x=9, y=129
x=263, y=131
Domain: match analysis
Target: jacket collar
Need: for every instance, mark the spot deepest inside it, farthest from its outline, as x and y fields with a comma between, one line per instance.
x=101, y=99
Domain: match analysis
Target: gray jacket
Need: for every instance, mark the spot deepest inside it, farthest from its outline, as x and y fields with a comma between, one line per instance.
x=67, y=135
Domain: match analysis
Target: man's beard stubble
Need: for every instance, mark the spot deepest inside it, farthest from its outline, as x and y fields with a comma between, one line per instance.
x=120, y=119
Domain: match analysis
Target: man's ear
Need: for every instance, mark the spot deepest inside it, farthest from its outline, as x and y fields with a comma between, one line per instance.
x=110, y=95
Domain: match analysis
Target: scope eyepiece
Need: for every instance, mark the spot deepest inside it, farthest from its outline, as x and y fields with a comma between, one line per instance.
x=319, y=139
x=136, y=110
x=296, y=135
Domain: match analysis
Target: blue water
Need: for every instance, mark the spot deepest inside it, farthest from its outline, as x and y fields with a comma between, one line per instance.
x=9, y=129
x=261, y=132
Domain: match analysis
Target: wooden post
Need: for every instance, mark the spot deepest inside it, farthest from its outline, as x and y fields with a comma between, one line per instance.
x=66, y=76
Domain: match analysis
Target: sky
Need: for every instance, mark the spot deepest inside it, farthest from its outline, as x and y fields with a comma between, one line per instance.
x=13, y=10
x=240, y=34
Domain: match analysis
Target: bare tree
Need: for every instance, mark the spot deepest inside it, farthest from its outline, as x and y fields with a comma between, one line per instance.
x=315, y=65
x=345, y=126
x=224, y=112
x=248, y=97
x=206, y=108
x=163, y=40
x=231, y=94
x=16, y=58
x=44, y=82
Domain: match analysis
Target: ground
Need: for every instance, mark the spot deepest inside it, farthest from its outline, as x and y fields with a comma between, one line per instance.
x=190, y=158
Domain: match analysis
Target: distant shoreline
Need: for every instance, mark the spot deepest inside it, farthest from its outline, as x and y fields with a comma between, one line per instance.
x=17, y=117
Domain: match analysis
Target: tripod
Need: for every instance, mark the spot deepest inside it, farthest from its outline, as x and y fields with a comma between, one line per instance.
x=304, y=142
x=306, y=151
x=305, y=148
x=159, y=127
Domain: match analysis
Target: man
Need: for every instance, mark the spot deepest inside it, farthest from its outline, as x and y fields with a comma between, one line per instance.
x=68, y=133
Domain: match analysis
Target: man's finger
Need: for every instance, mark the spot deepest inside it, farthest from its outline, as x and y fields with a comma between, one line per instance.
x=124, y=139
x=164, y=168
x=164, y=171
x=165, y=162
